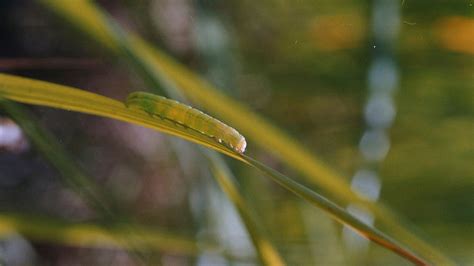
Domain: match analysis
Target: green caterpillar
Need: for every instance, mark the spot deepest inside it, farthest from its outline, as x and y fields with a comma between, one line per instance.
x=188, y=117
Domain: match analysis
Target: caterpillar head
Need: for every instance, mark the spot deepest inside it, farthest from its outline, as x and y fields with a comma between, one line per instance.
x=241, y=145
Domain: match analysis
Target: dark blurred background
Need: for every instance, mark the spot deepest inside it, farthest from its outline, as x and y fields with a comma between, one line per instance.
x=383, y=91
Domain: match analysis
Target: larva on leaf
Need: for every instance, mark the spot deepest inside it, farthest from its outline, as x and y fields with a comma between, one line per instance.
x=188, y=117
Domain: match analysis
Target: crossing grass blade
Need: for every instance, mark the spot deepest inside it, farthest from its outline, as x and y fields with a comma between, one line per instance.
x=47, y=94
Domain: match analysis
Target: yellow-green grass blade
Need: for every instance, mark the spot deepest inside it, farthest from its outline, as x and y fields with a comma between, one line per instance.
x=91, y=235
x=58, y=96
x=158, y=65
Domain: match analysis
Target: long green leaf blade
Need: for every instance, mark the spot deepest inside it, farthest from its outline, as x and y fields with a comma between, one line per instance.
x=67, y=98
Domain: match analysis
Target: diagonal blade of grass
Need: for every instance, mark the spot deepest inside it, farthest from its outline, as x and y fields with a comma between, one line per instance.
x=94, y=22
x=52, y=95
